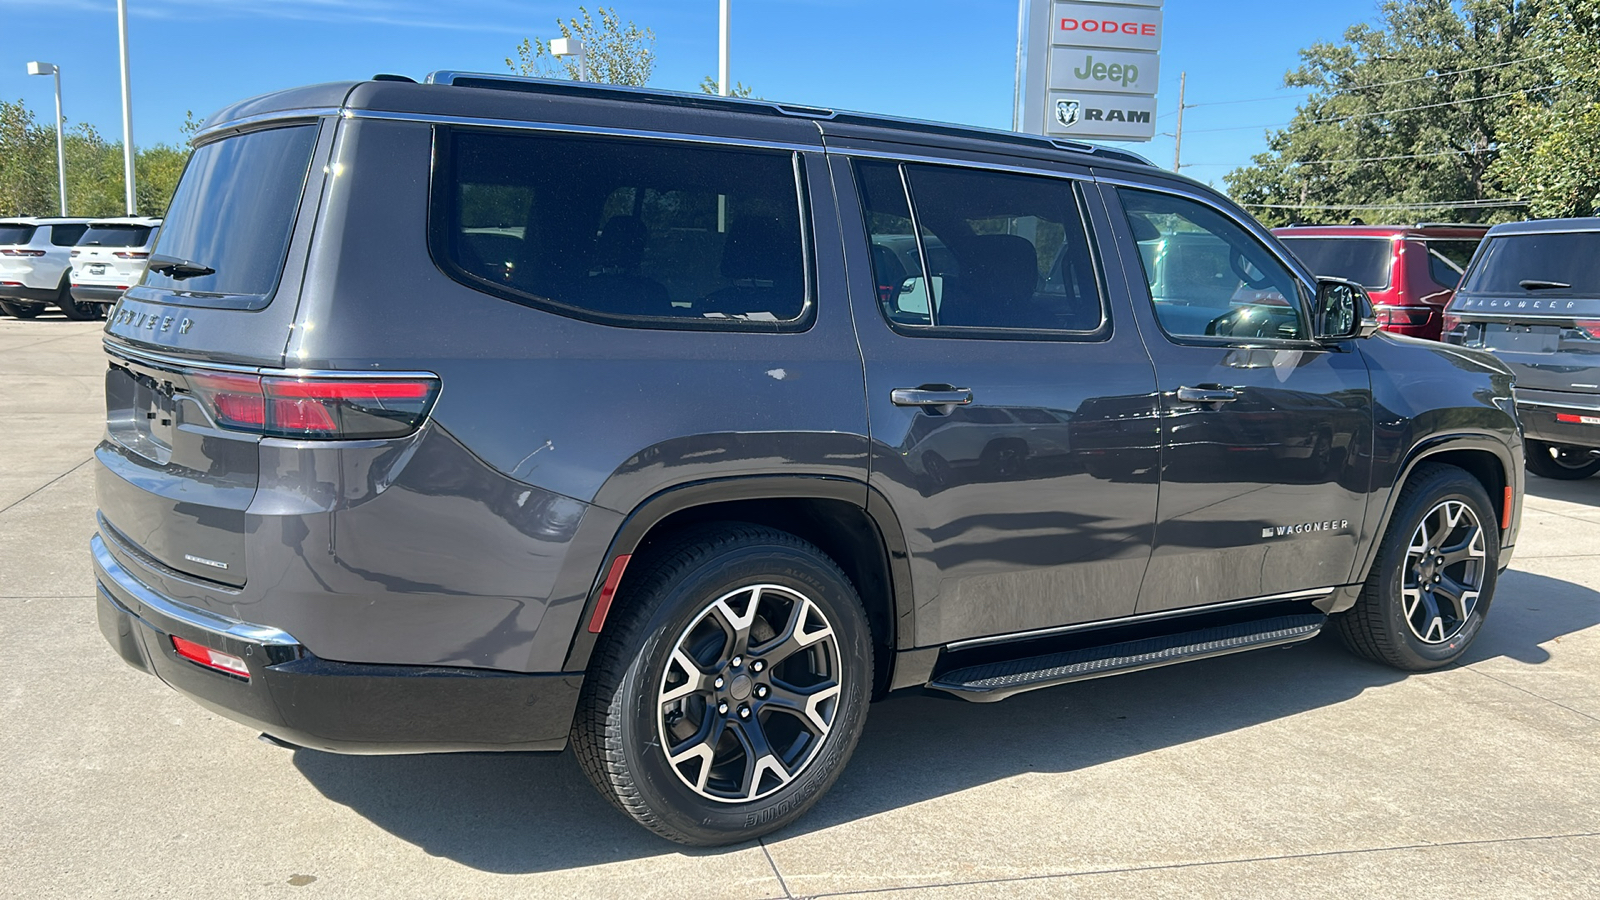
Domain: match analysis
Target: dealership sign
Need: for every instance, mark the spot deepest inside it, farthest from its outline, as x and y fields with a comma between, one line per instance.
x=1089, y=69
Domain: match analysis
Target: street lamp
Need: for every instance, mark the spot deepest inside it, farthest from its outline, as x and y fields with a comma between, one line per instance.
x=564, y=47
x=44, y=68
x=127, y=107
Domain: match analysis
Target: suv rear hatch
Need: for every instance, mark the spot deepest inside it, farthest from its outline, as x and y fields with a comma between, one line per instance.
x=111, y=254
x=180, y=457
x=1533, y=299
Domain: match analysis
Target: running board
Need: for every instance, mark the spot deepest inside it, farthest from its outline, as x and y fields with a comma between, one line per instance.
x=996, y=681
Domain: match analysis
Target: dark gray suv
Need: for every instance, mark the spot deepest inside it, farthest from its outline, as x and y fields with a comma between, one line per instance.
x=498, y=414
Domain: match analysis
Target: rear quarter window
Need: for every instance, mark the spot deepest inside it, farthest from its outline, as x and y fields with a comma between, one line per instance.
x=16, y=234
x=624, y=231
x=233, y=212
x=66, y=235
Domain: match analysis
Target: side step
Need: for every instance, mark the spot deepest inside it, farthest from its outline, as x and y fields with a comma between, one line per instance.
x=999, y=680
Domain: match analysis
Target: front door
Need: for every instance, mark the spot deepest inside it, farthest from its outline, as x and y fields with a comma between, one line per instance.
x=1266, y=434
x=1011, y=403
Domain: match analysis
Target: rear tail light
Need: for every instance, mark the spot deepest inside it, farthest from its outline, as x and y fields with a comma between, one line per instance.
x=1403, y=315
x=325, y=408
x=21, y=252
x=1451, y=323
x=1589, y=327
x=124, y=254
x=211, y=659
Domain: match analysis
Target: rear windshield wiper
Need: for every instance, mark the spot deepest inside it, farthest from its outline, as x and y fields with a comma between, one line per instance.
x=1536, y=284
x=179, y=269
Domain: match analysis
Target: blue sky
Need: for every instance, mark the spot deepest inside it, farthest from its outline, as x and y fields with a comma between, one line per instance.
x=933, y=59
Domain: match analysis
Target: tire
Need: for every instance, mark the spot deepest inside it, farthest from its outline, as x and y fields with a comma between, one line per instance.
x=1561, y=461
x=21, y=309
x=72, y=309
x=684, y=606
x=1399, y=619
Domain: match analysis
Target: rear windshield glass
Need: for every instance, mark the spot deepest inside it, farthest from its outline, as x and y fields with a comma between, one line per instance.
x=115, y=236
x=1543, y=264
x=1362, y=260
x=16, y=234
x=232, y=213
x=634, y=232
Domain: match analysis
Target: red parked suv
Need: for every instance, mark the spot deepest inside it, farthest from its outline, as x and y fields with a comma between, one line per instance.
x=1410, y=271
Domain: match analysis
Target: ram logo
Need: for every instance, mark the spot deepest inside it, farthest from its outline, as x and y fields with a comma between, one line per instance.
x=1067, y=112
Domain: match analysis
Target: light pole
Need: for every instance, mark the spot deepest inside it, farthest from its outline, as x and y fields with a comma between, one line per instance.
x=44, y=68
x=724, y=87
x=564, y=47
x=127, y=107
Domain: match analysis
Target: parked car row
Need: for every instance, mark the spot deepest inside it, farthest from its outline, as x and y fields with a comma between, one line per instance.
x=79, y=265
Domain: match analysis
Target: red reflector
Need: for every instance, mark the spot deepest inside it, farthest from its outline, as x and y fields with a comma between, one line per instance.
x=10, y=284
x=1505, y=511
x=211, y=659
x=1575, y=419
x=608, y=592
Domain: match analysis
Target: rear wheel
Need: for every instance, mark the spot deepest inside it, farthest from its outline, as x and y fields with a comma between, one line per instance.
x=1429, y=589
x=1561, y=461
x=22, y=309
x=729, y=687
x=72, y=309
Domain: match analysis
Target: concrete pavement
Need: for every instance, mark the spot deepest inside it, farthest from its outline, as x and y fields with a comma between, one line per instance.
x=1296, y=773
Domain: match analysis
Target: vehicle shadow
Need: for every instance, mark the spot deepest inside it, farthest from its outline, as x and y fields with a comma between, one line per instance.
x=525, y=813
x=1584, y=490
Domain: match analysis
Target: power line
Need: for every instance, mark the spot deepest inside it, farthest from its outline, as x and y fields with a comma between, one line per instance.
x=1361, y=159
x=1382, y=112
x=1468, y=204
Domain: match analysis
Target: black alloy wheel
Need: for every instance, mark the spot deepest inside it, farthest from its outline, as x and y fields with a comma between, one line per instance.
x=1428, y=591
x=1563, y=462
x=729, y=686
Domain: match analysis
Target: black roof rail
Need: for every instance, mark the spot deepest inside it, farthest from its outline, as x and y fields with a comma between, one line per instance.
x=1472, y=225
x=769, y=108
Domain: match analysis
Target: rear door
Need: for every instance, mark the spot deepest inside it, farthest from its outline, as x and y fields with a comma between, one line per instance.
x=1011, y=403
x=172, y=484
x=1266, y=434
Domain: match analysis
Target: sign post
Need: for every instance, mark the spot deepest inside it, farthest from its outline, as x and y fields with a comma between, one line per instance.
x=1088, y=69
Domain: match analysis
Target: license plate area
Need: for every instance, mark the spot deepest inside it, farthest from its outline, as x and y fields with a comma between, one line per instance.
x=1522, y=338
x=140, y=412
x=97, y=268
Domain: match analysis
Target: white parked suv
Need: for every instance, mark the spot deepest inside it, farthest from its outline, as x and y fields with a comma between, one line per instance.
x=35, y=254
x=110, y=257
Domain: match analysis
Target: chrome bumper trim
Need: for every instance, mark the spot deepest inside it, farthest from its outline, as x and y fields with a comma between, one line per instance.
x=109, y=570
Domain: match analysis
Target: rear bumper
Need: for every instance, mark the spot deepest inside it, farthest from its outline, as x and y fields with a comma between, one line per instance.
x=90, y=293
x=325, y=705
x=29, y=294
x=1538, y=411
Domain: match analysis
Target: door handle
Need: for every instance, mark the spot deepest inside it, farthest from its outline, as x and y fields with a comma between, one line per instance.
x=931, y=396
x=1207, y=395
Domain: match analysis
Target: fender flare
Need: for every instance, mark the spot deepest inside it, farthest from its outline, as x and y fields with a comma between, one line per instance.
x=653, y=510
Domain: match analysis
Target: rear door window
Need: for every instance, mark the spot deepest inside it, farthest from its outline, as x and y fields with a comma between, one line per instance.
x=625, y=231
x=1362, y=260
x=1550, y=265
x=233, y=213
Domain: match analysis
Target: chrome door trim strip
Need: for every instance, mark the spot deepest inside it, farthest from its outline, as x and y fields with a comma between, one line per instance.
x=915, y=158
x=1313, y=593
x=566, y=128
x=302, y=114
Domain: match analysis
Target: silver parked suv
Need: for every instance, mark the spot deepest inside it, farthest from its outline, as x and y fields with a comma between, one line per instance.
x=505, y=414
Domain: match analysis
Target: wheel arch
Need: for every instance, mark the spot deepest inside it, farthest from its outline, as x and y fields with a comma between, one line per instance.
x=844, y=518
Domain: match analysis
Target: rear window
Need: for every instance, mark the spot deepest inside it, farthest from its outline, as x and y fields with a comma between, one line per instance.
x=1362, y=260
x=1556, y=264
x=233, y=212
x=16, y=234
x=624, y=231
x=115, y=236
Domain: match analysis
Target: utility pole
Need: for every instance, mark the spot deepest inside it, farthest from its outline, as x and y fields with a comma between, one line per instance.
x=127, y=108
x=44, y=68
x=724, y=87
x=1177, y=140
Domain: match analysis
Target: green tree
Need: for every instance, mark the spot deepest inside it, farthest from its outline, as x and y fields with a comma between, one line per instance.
x=708, y=85
x=615, y=53
x=1550, y=149
x=94, y=169
x=27, y=163
x=1407, y=114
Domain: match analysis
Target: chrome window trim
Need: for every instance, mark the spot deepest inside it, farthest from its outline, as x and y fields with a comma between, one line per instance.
x=214, y=623
x=304, y=114
x=1312, y=593
x=567, y=128
x=963, y=163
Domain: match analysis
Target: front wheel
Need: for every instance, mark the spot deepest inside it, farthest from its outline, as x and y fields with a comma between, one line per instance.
x=75, y=310
x=1561, y=461
x=729, y=687
x=1429, y=589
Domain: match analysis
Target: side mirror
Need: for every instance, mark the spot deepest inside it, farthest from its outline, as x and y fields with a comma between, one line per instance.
x=1343, y=311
